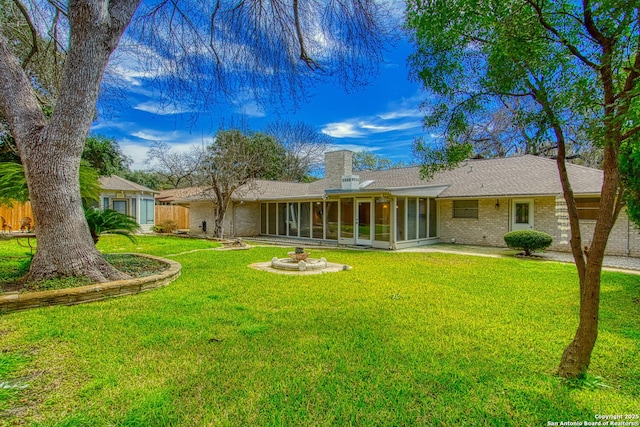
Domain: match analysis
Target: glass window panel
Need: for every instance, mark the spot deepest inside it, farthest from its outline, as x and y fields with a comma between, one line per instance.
x=346, y=218
x=522, y=213
x=588, y=207
x=292, y=220
x=383, y=220
x=422, y=218
x=318, y=220
x=412, y=222
x=332, y=222
x=263, y=218
x=364, y=220
x=273, y=217
x=433, y=218
x=120, y=206
x=401, y=220
x=282, y=219
x=465, y=209
x=305, y=220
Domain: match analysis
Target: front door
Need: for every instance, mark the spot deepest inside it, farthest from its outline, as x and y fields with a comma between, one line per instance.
x=363, y=223
x=522, y=215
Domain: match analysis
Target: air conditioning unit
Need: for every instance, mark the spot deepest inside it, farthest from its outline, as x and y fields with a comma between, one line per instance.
x=350, y=182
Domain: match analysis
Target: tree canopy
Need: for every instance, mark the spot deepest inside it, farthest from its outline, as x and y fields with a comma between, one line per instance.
x=197, y=51
x=234, y=160
x=365, y=160
x=576, y=65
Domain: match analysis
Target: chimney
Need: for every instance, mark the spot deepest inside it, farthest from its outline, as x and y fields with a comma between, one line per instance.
x=336, y=165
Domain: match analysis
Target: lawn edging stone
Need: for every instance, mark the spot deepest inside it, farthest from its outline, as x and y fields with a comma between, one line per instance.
x=90, y=293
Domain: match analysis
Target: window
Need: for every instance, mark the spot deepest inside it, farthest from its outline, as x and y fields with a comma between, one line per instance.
x=272, y=218
x=305, y=220
x=433, y=218
x=331, y=220
x=412, y=221
x=401, y=219
x=263, y=218
x=318, y=220
x=465, y=209
x=588, y=207
x=120, y=206
x=383, y=220
x=146, y=211
x=346, y=219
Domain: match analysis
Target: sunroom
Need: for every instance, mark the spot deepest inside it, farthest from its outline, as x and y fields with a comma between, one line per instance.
x=386, y=220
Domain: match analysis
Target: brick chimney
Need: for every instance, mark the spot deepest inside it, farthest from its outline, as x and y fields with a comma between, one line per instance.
x=336, y=165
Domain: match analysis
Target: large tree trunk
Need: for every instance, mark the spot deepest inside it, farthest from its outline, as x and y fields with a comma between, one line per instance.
x=218, y=230
x=50, y=151
x=577, y=355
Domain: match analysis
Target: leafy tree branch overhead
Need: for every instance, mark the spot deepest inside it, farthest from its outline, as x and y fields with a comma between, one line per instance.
x=577, y=65
x=274, y=51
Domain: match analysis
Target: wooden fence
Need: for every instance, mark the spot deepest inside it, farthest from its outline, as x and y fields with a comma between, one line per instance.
x=14, y=214
x=178, y=214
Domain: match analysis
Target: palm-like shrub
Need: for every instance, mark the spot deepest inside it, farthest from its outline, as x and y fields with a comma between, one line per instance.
x=110, y=221
x=528, y=240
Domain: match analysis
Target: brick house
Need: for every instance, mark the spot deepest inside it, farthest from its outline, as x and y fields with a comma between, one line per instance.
x=475, y=203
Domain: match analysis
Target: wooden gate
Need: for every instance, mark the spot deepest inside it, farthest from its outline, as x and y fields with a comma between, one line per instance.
x=175, y=213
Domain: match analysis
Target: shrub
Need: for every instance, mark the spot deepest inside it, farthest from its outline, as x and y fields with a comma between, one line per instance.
x=528, y=240
x=110, y=221
x=167, y=226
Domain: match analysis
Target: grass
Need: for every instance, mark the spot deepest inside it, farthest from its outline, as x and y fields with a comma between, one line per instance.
x=15, y=261
x=401, y=339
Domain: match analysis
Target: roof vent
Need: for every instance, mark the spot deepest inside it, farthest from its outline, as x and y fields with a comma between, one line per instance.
x=367, y=183
x=350, y=182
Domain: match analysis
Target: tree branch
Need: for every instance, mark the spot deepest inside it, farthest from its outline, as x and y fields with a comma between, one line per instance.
x=32, y=29
x=18, y=102
x=574, y=50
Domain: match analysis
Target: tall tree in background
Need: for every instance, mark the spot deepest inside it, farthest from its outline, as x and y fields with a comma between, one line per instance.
x=304, y=147
x=105, y=155
x=365, y=160
x=175, y=169
x=578, y=61
x=233, y=161
x=270, y=49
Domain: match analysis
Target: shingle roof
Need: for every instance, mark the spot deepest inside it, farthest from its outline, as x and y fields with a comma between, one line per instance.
x=175, y=194
x=114, y=182
x=525, y=175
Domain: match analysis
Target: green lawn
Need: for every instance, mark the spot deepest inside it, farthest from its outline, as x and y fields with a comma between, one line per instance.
x=401, y=339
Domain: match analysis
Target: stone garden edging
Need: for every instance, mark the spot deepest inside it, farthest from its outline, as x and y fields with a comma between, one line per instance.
x=70, y=296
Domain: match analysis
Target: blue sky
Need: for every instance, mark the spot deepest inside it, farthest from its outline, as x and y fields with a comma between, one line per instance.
x=383, y=117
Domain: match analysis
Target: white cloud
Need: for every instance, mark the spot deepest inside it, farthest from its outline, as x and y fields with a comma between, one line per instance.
x=154, y=107
x=342, y=130
x=361, y=128
x=251, y=109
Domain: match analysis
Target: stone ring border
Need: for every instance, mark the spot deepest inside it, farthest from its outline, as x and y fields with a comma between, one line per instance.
x=330, y=268
x=71, y=296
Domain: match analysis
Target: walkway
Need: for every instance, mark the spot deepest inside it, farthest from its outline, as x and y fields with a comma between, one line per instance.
x=612, y=263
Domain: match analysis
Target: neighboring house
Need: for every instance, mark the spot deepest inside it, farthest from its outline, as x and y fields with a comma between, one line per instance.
x=128, y=198
x=475, y=203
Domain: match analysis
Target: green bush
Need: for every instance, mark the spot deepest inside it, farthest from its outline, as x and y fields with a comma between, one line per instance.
x=528, y=240
x=167, y=226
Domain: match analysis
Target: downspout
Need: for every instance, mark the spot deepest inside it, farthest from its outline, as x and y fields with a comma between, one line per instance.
x=628, y=236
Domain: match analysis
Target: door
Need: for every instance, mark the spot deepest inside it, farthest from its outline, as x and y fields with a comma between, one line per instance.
x=363, y=222
x=522, y=215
